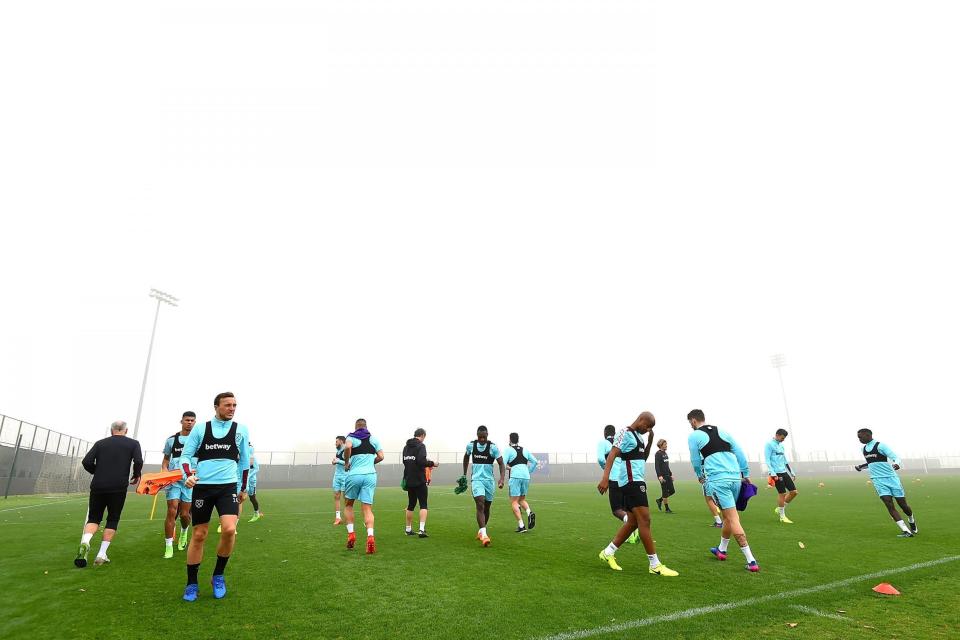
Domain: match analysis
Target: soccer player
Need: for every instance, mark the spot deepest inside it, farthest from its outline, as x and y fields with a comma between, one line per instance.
x=482, y=453
x=109, y=461
x=339, y=476
x=221, y=449
x=252, y=486
x=519, y=466
x=361, y=451
x=721, y=466
x=883, y=465
x=780, y=472
x=178, y=496
x=661, y=463
x=613, y=492
x=628, y=447
x=415, y=465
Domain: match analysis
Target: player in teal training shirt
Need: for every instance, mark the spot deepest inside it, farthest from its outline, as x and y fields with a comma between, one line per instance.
x=883, y=465
x=219, y=481
x=721, y=466
x=519, y=465
x=360, y=453
x=339, y=477
x=179, y=498
x=482, y=453
x=780, y=474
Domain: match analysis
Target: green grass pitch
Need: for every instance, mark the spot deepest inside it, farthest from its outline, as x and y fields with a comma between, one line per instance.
x=291, y=576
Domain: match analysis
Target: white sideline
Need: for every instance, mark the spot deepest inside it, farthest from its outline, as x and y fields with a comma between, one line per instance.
x=42, y=504
x=818, y=613
x=701, y=611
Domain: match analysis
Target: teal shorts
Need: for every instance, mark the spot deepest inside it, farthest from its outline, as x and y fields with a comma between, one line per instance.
x=888, y=487
x=360, y=487
x=251, y=488
x=179, y=491
x=724, y=492
x=483, y=488
x=338, y=481
x=518, y=487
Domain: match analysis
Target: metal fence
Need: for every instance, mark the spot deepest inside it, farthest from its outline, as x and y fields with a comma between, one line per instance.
x=35, y=459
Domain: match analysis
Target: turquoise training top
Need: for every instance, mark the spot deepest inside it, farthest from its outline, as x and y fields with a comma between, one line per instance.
x=483, y=471
x=882, y=470
x=174, y=463
x=603, y=450
x=724, y=465
x=775, y=457
x=520, y=472
x=217, y=471
x=362, y=463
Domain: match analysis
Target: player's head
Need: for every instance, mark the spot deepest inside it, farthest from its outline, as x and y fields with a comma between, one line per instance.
x=514, y=438
x=645, y=422
x=662, y=444
x=864, y=435
x=482, y=434
x=187, y=421
x=340, y=440
x=780, y=435
x=609, y=431
x=696, y=418
x=119, y=428
x=420, y=434
x=225, y=405
x=360, y=424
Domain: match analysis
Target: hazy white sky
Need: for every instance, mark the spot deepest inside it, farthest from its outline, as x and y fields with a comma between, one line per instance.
x=542, y=216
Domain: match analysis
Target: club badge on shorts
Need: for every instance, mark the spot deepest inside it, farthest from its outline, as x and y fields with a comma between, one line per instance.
x=198, y=504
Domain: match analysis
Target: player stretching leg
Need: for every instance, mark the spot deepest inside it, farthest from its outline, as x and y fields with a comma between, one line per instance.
x=883, y=464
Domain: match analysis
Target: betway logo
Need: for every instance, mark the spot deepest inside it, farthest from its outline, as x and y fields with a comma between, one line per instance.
x=405, y=458
x=208, y=447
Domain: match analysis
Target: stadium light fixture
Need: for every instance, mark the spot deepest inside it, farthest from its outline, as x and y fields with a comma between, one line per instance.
x=162, y=298
x=779, y=361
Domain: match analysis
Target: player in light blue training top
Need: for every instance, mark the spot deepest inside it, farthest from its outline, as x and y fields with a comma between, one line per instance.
x=781, y=475
x=361, y=451
x=179, y=497
x=720, y=463
x=519, y=465
x=339, y=477
x=221, y=448
x=252, y=486
x=482, y=453
x=883, y=465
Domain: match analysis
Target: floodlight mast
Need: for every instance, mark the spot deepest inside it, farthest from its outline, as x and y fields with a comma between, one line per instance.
x=778, y=361
x=164, y=298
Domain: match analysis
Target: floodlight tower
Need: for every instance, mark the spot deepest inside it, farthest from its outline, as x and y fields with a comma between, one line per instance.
x=164, y=298
x=779, y=361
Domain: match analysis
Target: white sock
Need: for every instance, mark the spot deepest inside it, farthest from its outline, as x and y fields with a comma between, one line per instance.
x=423, y=525
x=902, y=525
x=529, y=510
x=349, y=528
x=103, y=549
x=625, y=518
x=169, y=542
x=782, y=511
x=718, y=519
x=520, y=523
x=724, y=543
x=409, y=527
x=748, y=554
x=338, y=514
x=483, y=531
x=611, y=549
x=911, y=520
x=654, y=560
x=86, y=538
x=369, y=532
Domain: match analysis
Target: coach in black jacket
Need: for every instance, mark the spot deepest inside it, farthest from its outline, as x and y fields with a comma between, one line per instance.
x=415, y=465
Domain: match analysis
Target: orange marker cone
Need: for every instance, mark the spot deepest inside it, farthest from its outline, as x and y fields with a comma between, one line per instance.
x=886, y=589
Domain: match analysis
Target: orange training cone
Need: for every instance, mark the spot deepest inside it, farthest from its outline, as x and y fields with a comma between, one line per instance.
x=886, y=589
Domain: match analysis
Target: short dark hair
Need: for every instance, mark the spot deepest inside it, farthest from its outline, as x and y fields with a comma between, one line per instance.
x=782, y=432
x=609, y=430
x=342, y=438
x=188, y=414
x=865, y=430
x=481, y=428
x=696, y=414
x=221, y=396
x=514, y=438
x=419, y=432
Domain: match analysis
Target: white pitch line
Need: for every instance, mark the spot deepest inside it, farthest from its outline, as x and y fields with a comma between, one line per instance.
x=702, y=611
x=818, y=613
x=42, y=504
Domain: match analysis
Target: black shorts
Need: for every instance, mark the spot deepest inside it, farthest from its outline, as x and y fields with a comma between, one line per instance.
x=111, y=502
x=666, y=488
x=207, y=496
x=616, y=497
x=784, y=483
x=417, y=494
x=634, y=495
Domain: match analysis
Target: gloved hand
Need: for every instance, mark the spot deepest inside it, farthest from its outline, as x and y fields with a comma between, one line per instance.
x=461, y=485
